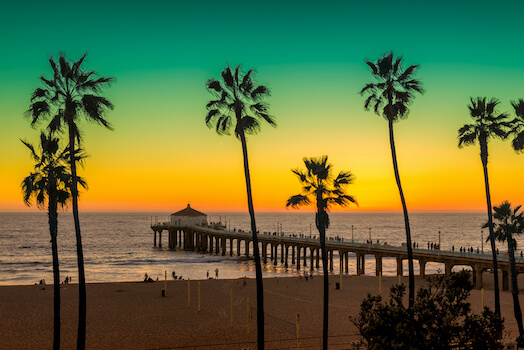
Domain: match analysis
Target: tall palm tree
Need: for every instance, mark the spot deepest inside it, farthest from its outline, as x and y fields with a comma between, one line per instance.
x=390, y=97
x=517, y=126
x=239, y=106
x=70, y=94
x=510, y=223
x=321, y=189
x=487, y=124
x=48, y=184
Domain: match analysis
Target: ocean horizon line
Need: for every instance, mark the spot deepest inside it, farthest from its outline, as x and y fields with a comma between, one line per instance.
x=162, y=212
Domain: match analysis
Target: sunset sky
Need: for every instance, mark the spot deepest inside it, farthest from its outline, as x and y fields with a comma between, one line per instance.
x=162, y=156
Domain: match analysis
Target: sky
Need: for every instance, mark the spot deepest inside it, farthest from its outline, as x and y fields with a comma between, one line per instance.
x=162, y=156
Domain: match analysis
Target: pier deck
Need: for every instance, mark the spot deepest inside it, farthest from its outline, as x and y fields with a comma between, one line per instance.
x=304, y=248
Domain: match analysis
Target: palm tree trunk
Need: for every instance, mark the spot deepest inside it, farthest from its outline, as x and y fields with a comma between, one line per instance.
x=82, y=302
x=484, y=159
x=325, y=319
x=514, y=285
x=53, y=230
x=406, y=218
x=256, y=252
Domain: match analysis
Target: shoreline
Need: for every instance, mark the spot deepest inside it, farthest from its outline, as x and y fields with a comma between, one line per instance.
x=134, y=315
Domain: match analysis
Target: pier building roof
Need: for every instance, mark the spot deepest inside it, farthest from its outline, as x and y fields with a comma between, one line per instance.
x=188, y=211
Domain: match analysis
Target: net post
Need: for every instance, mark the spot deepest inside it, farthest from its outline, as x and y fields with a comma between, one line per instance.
x=188, y=292
x=248, y=316
x=297, y=325
x=199, y=299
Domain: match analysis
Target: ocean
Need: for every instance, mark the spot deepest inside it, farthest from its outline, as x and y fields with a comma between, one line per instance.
x=119, y=246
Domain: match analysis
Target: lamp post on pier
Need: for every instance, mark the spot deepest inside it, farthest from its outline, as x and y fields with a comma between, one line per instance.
x=351, y=233
x=439, y=242
x=370, y=236
x=482, y=240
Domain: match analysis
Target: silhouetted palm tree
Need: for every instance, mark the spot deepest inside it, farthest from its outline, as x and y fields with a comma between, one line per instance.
x=49, y=184
x=239, y=106
x=321, y=189
x=390, y=97
x=487, y=124
x=517, y=126
x=72, y=93
x=510, y=223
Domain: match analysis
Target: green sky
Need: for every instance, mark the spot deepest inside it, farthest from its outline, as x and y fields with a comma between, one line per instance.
x=311, y=55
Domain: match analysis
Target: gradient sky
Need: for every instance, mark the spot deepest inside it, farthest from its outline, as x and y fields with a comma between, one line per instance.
x=161, y=155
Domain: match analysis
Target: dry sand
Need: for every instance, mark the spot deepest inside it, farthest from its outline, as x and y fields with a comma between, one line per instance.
x=136, y=316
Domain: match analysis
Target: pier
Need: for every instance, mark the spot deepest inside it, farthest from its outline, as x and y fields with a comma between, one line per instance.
x=304, y=252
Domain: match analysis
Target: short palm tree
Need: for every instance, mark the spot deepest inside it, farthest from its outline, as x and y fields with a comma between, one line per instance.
x=487, y=124
x=239, y=106
x=48, y=184
x=70, y=94
x=390, y=97
x=510, y=223
x=323, y=190
x=517, y=126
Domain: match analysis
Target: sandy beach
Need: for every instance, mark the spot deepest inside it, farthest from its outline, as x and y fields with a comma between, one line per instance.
x=136, y=316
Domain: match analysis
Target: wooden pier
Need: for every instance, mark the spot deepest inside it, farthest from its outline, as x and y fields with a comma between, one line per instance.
x=301, y=249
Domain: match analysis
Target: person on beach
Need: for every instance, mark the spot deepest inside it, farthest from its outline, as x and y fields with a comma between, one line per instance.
x=216, y=273
x=207, y=274
x=245, y=282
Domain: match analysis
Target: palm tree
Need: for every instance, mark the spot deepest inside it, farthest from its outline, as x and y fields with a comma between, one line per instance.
x=72, y=93
x=510, y=223
x=49, y=184
x=390, y=97
x=321, y=189
x=239, y=105
x=517, y=126
x=487, y=124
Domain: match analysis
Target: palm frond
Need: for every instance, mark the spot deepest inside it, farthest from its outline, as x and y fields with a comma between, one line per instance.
x=94, y=85
x=39, y=93
x=247, y=83
x=518, y=106
x=297, y=201
x=237, y=99
x=211, y=114
x=374, y=69
x=268, y=118
x=320, y=187
x=397, y=65
x=34, y=155
x=223, y=125
x=227, y=77
x=467, y=135
x=250, y=125
x=368, y=87
x=259, y=92
x=55, y=125
x=394, y=92
x=78, y=63
x=65, y=68
x=518, y=142
x=214, y=85
x=95, y=107
x=37, y=110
